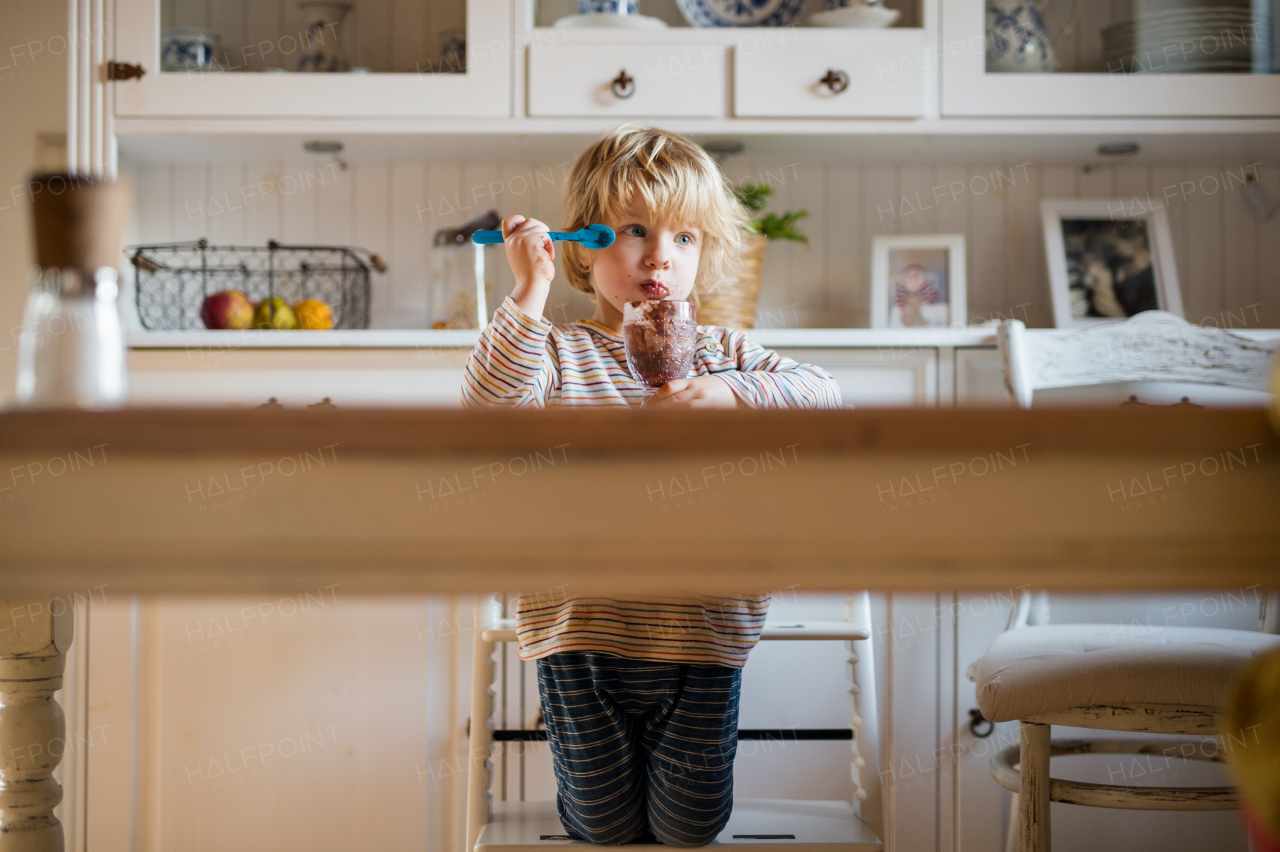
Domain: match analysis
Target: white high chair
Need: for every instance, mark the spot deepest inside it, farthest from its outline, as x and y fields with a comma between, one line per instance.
x=771, y=825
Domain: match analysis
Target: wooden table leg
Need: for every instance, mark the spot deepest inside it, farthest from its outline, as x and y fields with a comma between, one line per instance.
x=33, y=642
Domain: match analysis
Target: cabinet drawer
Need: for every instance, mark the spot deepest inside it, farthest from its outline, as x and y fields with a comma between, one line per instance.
x=666, y=80
x=248, y=377
x=886, y=72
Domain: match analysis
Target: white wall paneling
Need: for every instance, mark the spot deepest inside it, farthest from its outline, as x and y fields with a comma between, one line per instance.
x=1227, y=259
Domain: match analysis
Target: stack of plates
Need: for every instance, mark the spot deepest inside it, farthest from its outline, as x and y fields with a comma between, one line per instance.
x=1187, y=41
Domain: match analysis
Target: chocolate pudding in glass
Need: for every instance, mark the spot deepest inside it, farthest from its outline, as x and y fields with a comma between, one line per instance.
x=660, y=337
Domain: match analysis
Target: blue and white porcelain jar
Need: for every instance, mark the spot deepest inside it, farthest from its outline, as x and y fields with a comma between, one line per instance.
x=322, y=51
x=187, y=50
x=741, y=13
x=1017, y=39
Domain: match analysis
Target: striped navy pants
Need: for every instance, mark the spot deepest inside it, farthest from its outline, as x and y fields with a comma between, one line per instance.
x=642, y=750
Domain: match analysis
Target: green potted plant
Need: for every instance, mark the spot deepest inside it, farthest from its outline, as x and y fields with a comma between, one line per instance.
x=734, y=306
x=755, y=198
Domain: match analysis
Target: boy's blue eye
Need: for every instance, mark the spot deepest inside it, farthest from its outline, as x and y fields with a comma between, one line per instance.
x=685, y=237
x=634, y=228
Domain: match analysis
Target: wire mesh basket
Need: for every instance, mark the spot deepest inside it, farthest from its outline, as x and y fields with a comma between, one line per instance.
x=174, y=278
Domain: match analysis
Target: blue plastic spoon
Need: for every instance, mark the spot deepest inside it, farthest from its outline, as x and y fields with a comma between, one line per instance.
x=592, y=236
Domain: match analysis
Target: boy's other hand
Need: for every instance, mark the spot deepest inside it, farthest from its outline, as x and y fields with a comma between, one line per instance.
x=698, y=392
x=530, y=251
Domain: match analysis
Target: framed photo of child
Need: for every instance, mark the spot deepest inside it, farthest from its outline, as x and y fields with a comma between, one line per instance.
x=917, y=281
x=1108, y=260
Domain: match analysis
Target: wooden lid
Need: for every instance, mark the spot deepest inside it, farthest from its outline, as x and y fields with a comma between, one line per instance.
x=79, y=220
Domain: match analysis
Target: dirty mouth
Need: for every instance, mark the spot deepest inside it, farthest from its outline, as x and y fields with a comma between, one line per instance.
x=654, y=290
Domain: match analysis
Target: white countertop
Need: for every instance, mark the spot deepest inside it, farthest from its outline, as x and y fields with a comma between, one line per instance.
x=466, y=339
x=774, y=338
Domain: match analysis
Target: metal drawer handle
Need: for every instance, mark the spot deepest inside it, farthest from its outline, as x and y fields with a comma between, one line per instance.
x=976, y=721
x=836, y=81
x=624, y=86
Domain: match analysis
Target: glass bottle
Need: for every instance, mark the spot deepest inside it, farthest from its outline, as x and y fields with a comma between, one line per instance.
x=71, y=351
x=457, y=287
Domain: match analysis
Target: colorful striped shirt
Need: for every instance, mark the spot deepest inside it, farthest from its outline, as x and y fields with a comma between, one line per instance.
x=524, y=361
x=528, y=362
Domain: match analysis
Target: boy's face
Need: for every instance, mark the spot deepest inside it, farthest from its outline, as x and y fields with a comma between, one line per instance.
x=648, y=260
x=913, y=279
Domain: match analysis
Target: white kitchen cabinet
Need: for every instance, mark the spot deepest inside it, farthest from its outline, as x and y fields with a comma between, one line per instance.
x=650, y=78
x=823, y=74
x=1089, y=82
x=296, y=378
x=980, y=377
x=433, y=376
x=270, y=721
x=879, y=376
x=400, y=44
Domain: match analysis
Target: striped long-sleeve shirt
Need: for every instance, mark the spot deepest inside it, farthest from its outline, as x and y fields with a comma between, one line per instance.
x=525, y=361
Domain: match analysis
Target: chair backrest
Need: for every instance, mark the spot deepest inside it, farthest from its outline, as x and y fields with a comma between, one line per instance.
x=1031, y=607
x=1152, y=346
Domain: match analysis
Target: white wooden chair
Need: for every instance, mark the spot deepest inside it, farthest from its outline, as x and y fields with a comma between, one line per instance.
x=1110, y=677
x=772, y=825
x=1153, y=346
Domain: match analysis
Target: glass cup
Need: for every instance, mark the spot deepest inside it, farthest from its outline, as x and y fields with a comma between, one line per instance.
x=660, y=338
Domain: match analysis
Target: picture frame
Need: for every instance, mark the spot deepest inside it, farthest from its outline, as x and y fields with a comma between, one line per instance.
x=1107, y=264
x=918, y=281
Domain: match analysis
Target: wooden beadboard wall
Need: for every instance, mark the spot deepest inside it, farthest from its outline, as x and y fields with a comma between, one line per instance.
x=1228, y=261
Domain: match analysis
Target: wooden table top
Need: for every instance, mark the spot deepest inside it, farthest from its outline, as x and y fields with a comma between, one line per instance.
x=434, y=500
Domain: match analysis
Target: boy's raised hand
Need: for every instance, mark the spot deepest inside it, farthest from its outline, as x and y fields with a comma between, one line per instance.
x=531, y=254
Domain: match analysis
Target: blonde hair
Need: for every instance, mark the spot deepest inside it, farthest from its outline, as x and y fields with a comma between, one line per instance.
x=678, y=181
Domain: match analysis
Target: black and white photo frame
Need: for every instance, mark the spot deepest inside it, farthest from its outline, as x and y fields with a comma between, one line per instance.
x=1106, y=264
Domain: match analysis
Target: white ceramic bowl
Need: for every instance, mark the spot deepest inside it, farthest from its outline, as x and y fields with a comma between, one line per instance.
x=855, y=17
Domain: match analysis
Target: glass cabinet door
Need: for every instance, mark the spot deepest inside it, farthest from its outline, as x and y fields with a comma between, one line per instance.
x=1111, y=58
x=358, y=58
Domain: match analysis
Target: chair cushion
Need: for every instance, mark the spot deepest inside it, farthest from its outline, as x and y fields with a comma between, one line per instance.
x=1030, y=670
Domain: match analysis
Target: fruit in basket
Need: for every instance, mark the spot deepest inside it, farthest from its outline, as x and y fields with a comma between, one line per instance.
x=226, y=309
x=313, y=313
x=274, y=313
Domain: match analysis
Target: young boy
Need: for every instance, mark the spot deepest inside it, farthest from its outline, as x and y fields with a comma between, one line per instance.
x=640, y=696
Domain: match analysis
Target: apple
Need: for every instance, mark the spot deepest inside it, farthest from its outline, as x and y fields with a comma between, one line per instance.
x=227, y=309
